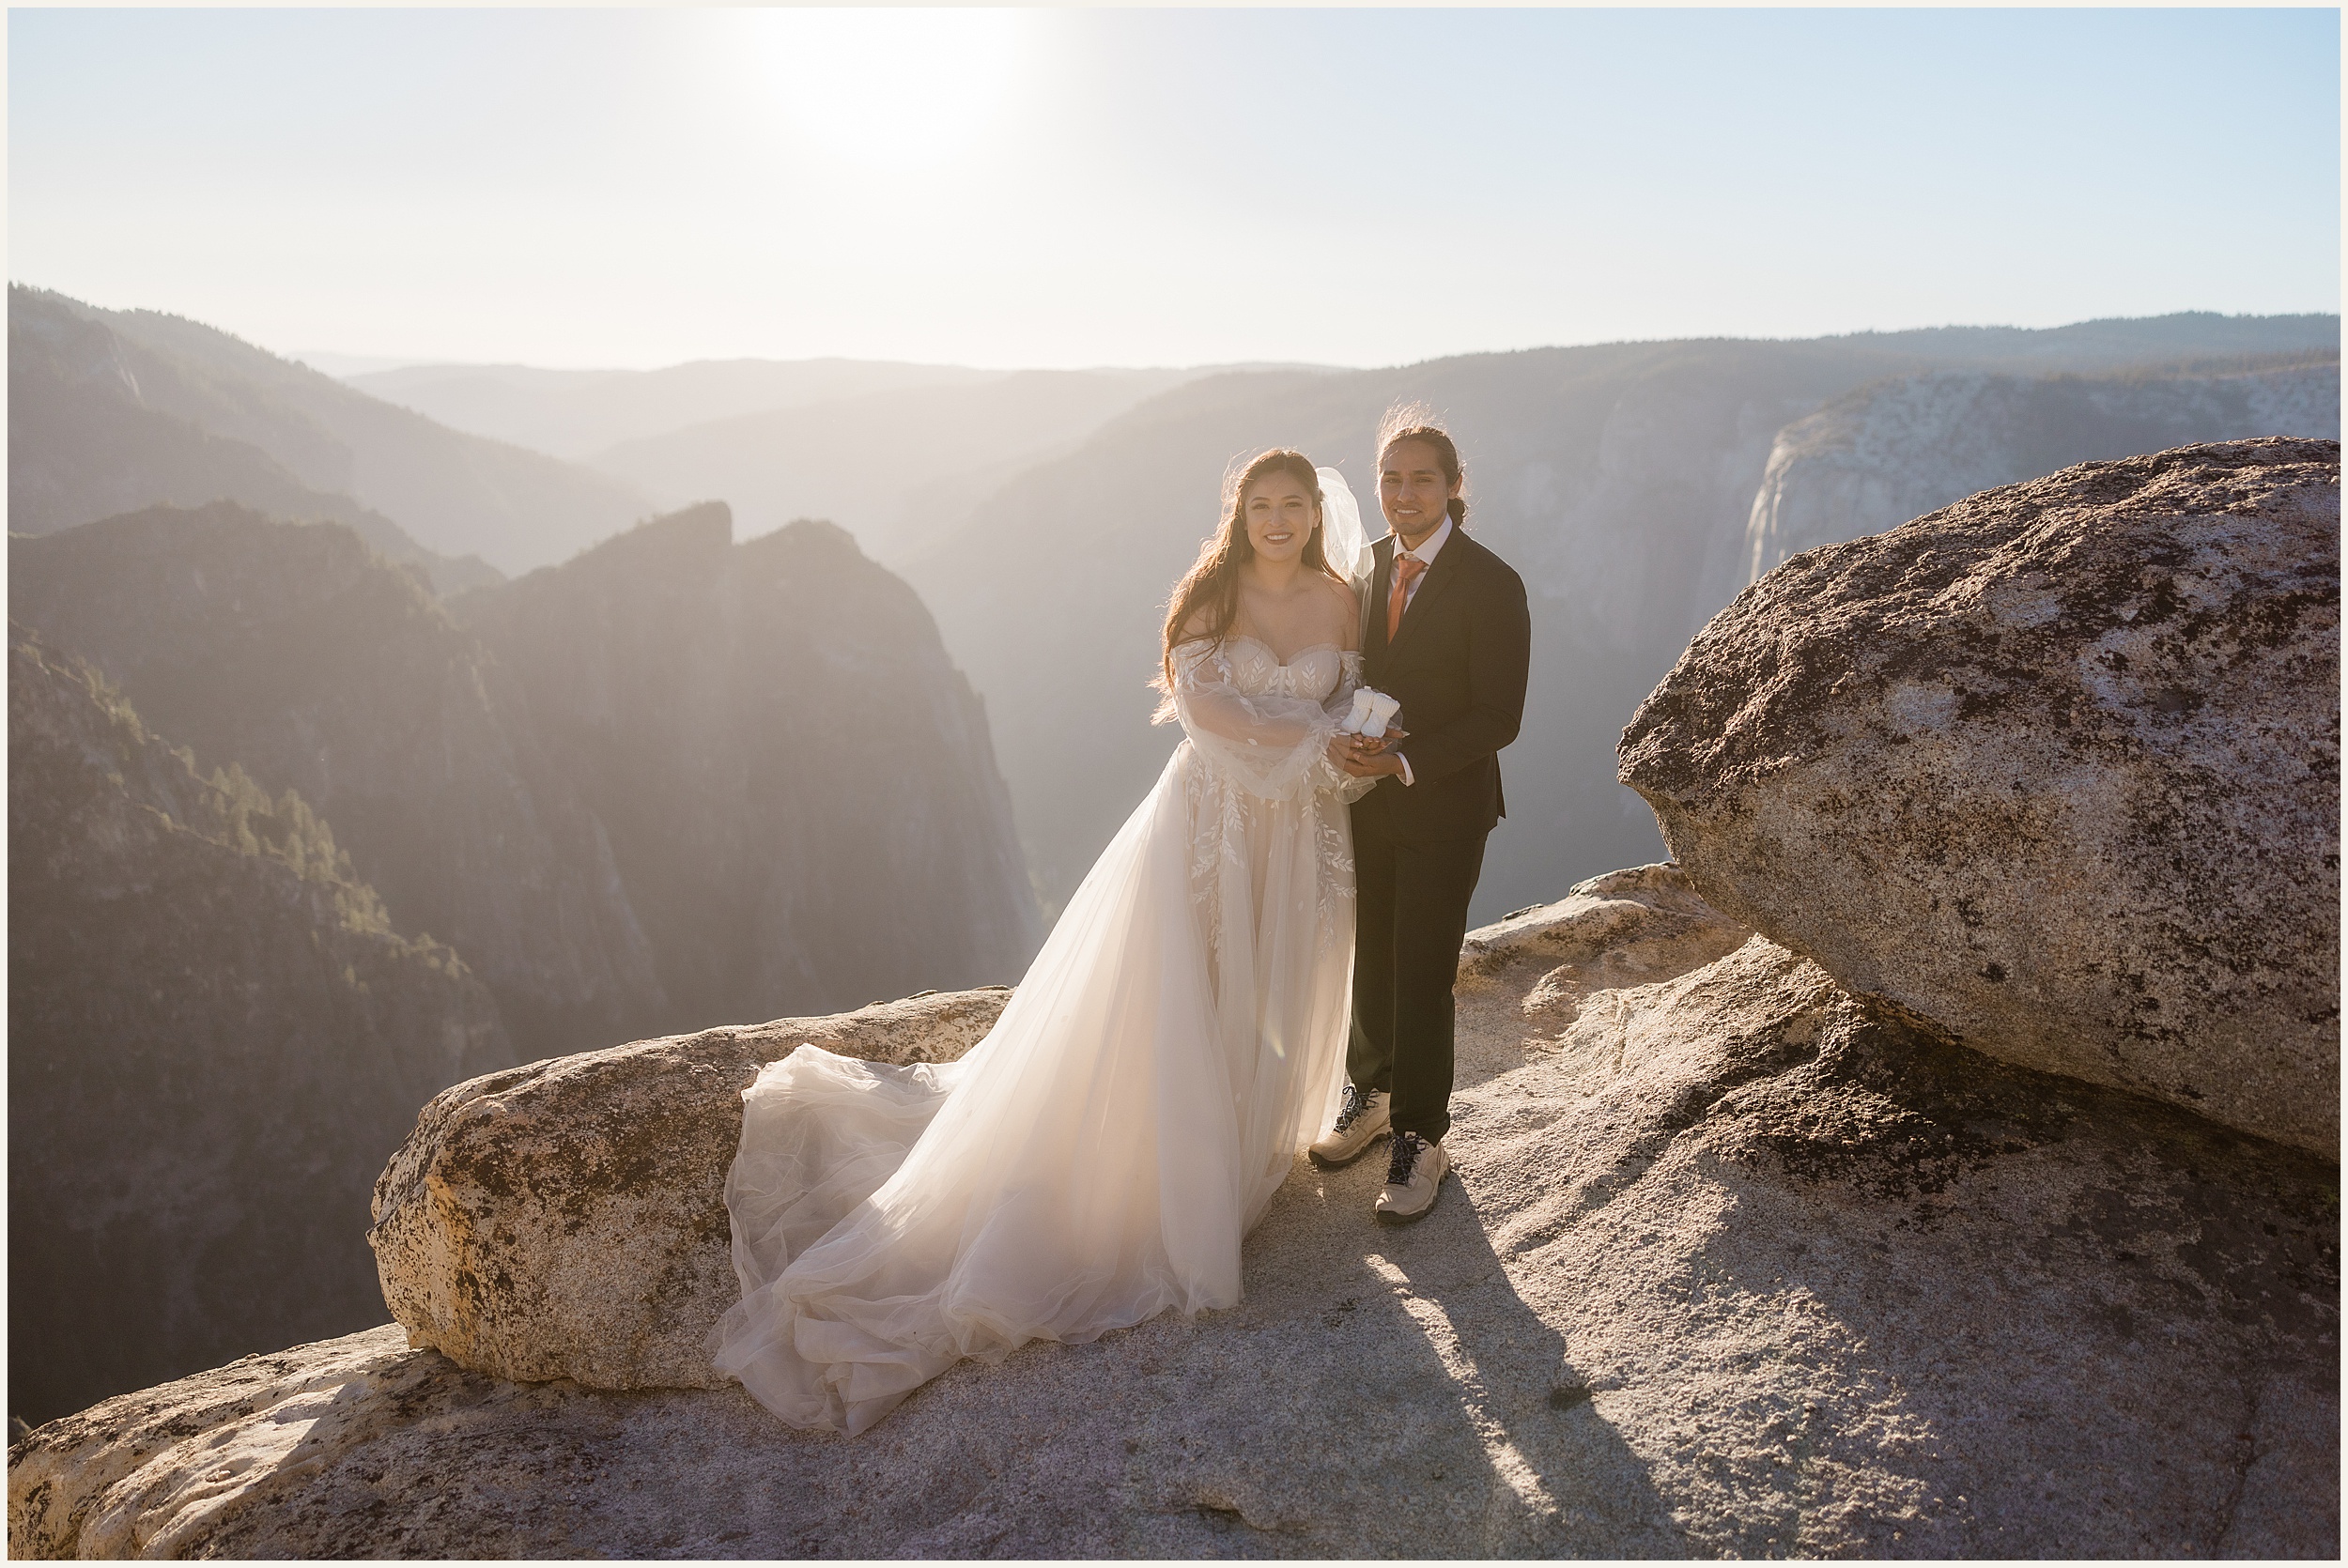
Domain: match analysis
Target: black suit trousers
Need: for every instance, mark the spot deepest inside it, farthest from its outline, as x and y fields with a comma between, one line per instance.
x=1411, y=914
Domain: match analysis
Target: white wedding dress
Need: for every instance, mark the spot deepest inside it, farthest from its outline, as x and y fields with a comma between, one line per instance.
x=1097, y=1157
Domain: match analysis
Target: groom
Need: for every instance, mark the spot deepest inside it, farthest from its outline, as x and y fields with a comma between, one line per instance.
x=1449, y=637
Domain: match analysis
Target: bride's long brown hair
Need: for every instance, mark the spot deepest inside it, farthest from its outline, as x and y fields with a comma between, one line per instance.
x=1212, y=584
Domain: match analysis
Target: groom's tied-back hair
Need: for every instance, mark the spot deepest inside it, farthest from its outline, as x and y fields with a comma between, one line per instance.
x=1416, y=422
x=1209, y=592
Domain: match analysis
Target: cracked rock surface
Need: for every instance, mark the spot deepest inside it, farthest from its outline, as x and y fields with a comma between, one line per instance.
x=568, y=1219
x=2053, y=773
x=1730, y=1268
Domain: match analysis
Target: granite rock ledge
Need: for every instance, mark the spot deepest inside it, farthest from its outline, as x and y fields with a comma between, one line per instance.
x=1734, y=1265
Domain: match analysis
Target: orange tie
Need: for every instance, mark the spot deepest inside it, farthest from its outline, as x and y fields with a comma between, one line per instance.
x=1406, y=571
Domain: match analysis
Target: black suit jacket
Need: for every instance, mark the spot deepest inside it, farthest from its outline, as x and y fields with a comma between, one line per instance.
x=1457, y=666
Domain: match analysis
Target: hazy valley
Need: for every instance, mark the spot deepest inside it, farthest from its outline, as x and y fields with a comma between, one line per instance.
x=1043, y=516
x=307, y=824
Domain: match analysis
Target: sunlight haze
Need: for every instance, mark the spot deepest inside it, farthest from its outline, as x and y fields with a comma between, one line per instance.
x=1080, y=188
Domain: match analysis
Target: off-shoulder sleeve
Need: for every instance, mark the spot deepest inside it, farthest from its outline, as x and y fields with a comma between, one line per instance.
x=1269, y=745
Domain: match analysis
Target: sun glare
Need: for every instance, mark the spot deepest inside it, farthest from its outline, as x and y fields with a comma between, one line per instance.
x=893, y=88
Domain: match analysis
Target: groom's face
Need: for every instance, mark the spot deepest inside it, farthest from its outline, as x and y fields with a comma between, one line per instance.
x=1412, y=491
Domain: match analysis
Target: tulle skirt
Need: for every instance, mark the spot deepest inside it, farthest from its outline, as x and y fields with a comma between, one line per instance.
x=1094, y=1161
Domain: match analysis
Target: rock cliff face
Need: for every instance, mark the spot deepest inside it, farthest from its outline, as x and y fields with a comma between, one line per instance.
x=1732, y=1267
x=2055, y=772
x=214, y=1038
x=1771, y=1234
x=1888, y=452
x=674, y=782
x=796, y=785
x=291, y=651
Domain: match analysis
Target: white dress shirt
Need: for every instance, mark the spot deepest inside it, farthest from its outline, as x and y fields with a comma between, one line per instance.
x=1425, y=555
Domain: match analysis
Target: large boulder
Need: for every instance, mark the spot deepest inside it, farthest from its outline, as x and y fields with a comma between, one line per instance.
x=568, y=1219
x=2053, y=773
x=1734, y=1266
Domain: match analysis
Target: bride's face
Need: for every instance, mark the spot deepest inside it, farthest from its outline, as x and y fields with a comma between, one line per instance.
x=1280, y=516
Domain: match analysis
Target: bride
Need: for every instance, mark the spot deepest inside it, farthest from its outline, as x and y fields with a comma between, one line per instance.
x=1096, y=1159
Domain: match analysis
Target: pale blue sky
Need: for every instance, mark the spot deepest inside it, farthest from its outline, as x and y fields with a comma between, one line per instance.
x=1062, y=187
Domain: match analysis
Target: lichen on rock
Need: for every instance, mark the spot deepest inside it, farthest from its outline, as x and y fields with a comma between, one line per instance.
x=568, y=1219
x=2053, y=773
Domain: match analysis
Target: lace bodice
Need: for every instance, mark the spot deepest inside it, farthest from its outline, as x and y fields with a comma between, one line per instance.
x=1313, y=674
x=1263, y=724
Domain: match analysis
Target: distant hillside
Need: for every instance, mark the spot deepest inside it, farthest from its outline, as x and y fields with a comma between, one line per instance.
x=216, y=1038
x=894, y=467
x=673, y=783
x=84, y=443
x=454, y=493
x=1618, y=478
x=576, y=413
x=2185, y=340
x=290, y=651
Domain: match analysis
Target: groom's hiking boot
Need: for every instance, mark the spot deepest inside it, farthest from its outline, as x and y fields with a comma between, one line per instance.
x=1361, y=1122
x=1412, y=1178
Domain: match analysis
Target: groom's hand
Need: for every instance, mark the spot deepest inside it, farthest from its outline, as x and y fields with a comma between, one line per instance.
x=1372, y=764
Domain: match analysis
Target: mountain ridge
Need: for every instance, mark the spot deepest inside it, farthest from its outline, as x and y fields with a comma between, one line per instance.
x=454, y=493
x=574, y=413
x=879, y=458
x=85, y=443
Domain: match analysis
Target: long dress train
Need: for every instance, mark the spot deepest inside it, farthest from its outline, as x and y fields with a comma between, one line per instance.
x=1098, y=1157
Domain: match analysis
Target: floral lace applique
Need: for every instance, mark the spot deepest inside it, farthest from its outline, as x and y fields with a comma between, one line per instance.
x=1230, y=701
